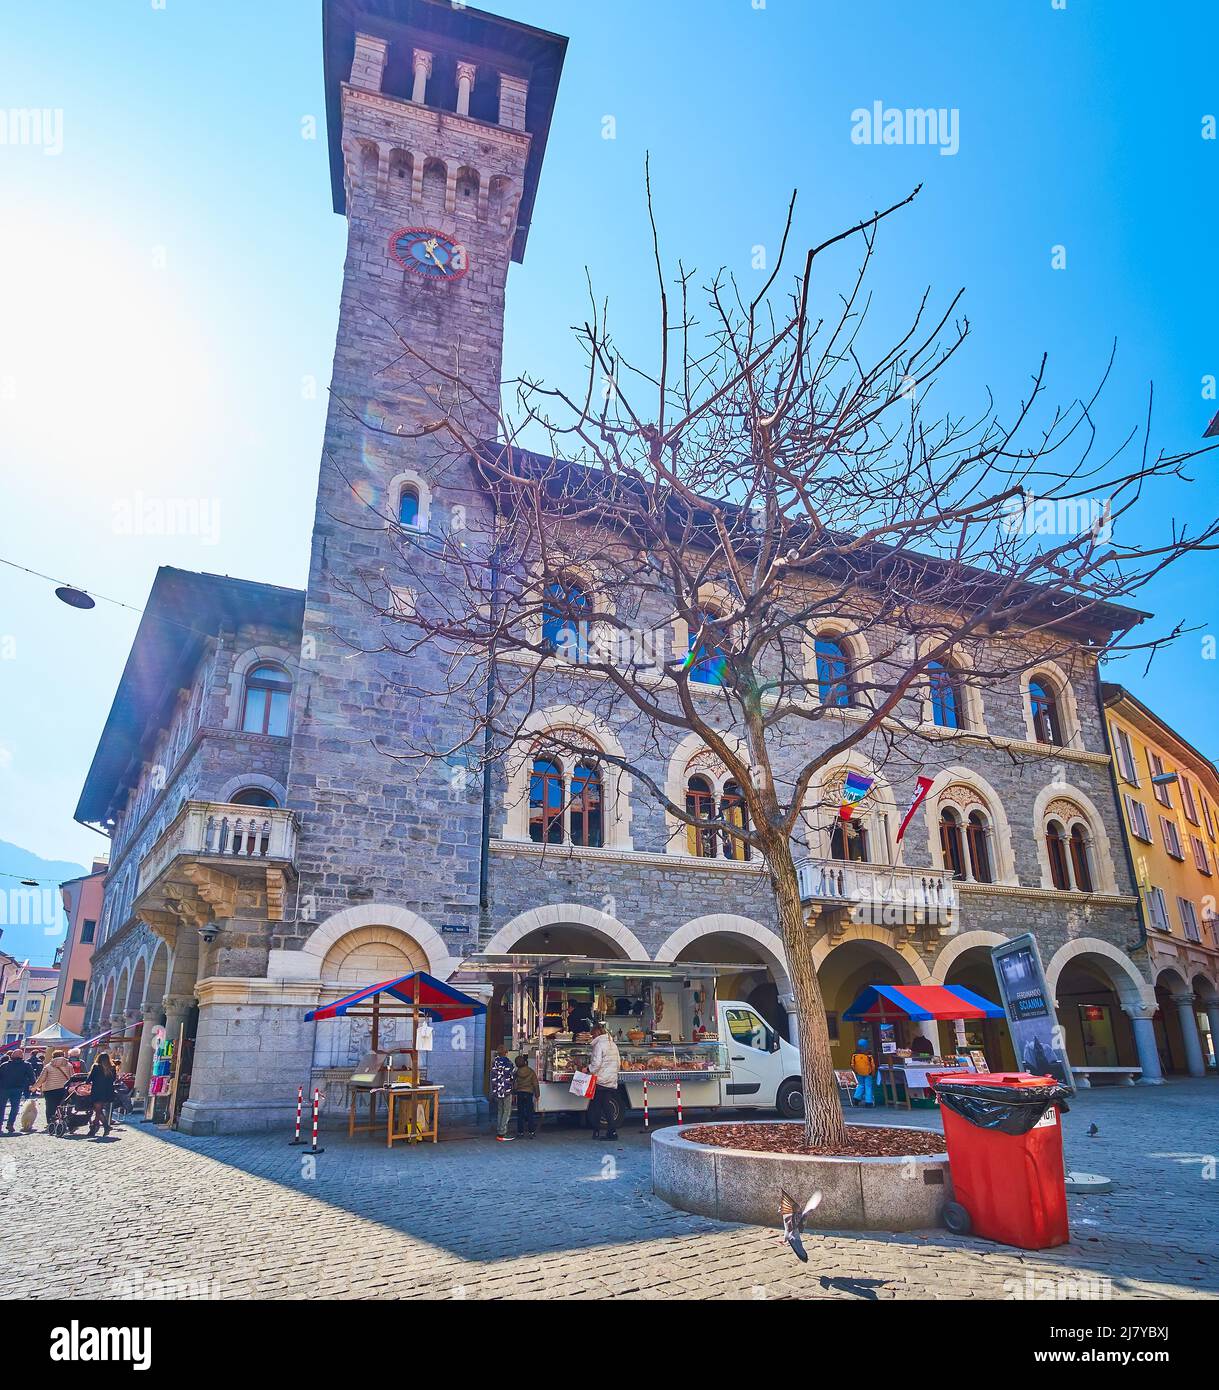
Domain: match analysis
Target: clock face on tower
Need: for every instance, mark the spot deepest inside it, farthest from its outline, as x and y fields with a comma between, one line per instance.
x=433, y=255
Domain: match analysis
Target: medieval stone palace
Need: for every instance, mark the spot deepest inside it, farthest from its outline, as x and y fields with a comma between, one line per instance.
x=270, y=852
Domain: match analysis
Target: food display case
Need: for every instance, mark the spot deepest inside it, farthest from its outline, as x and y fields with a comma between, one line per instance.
x=703, y=1061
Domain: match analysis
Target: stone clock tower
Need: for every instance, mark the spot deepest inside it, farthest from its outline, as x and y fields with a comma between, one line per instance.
x=437, y=116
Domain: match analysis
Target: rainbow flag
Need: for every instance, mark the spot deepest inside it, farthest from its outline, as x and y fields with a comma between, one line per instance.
x=854, y=789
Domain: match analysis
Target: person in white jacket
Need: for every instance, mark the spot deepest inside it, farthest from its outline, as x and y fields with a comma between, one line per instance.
x=604, y=1063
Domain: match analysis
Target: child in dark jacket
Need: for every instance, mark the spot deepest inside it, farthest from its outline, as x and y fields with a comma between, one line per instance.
x=526, y=1089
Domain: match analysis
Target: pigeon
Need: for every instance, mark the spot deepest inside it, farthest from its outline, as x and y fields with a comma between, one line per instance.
x=793, y=1222
x=1093, y=1131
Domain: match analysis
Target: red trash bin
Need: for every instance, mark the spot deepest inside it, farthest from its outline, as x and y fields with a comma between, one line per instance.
x=1011, y=1186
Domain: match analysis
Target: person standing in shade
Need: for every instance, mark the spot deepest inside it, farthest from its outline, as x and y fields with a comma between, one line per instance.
x=604, y=1063
x=503, y=1074
x=526, y=1089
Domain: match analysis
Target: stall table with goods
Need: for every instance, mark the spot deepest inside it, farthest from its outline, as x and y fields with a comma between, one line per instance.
x=661, y=1014
x=902, y=1075
x=393, y=1078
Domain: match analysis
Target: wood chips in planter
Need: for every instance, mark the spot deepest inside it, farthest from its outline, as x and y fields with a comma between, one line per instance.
x=864, y=1141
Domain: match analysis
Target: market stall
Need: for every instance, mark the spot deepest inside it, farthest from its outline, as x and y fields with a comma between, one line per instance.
x=902, y=1074
x=662, y=1015
x=396, y=1076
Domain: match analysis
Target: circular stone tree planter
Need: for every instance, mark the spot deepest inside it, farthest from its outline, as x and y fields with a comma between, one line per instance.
x=857, y=1194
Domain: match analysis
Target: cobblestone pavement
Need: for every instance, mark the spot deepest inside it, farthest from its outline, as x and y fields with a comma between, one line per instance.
x=160, y=1215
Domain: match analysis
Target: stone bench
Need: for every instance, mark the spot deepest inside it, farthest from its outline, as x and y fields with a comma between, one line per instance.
x=1123, y=1076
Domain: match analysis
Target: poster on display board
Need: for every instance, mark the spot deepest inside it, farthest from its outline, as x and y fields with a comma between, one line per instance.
x=1037, y=1040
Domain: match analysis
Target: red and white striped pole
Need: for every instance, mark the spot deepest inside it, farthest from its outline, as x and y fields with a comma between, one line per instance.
x=645, y=1102
x=316, y=1104
x=300, y=1100
x=679, y=1102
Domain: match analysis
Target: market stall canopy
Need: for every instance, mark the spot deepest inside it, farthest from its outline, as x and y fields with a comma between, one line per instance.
x=442, y=1003
x=56, y=1036
x=887, y=1003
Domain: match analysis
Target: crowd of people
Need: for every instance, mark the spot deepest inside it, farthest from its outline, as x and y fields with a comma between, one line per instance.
x=69, y=1095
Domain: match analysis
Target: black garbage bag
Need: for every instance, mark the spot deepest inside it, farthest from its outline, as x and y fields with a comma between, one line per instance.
x=1009, y=1109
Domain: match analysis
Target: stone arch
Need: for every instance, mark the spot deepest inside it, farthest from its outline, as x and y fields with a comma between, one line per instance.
x=957, y=947
x=366, y=954
x=317, y=948
x=408, y=478
x=122, y=990
x=768, y=943
x=943, y=792
x=1064, y=693
x=905, y=959
x=1128, y=984
x=253, y=779
x=1205, y=987
x=107, y=999
x=401, y=172
x=690, y=748
x=158, y=974
x=139, y=983
x=616, y=796
x=1102, y=856
x=503, y=197
x=467, y=190
x=879, y=807
x=568, y=914
x=435, y=184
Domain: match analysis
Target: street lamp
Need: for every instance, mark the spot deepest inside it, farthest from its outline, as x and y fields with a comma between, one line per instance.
x=74, y=598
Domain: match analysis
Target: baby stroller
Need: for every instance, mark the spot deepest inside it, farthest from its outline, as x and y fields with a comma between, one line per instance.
x=72, y=1113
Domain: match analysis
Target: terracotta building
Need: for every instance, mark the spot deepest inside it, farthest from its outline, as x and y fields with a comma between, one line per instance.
x=82, y=901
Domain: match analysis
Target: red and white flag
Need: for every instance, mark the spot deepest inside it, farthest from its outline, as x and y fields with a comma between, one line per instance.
x=921, y=789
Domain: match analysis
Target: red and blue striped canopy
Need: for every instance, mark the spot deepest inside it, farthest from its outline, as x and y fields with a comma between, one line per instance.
x=442, y=1003
x=886, y=1003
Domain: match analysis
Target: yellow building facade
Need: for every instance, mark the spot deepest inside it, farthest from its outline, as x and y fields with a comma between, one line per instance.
x=1169, y=795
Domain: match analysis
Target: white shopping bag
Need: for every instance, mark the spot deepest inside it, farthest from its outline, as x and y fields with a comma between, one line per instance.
x=583, y=1083
x=423, y=1038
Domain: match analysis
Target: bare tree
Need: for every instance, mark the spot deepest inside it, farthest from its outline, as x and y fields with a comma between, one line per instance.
x=668, y=552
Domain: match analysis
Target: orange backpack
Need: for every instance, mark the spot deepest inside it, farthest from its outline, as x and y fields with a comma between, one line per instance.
x=863, y=1064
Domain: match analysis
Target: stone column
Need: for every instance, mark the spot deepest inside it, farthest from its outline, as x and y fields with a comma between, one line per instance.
x=1189, y=1033
x=132, y=1049
x=177, y=1006
x=513, y=94
x=465, y=85
x=788, y=1004
x=118, y=1029
x=368, y=65
x=1212, y=1014
x=1140, y=1016
x=422, y=61
x=143, y=1063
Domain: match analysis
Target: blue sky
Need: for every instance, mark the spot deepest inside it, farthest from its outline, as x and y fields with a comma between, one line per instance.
x=172, y=275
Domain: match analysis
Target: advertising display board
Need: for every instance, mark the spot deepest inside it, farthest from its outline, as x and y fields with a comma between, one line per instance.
x=1036, y=1037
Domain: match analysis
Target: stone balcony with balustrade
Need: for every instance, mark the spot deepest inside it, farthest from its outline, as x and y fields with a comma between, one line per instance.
x=210, y=851
x=920, y=905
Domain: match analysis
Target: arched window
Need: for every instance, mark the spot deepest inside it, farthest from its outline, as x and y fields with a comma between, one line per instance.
x=700, y=802
x=734, y=812
x=708, y=663
x=833, y=672
x=1056, y=848
x=565, y=619
x=1043, y=706
x=268, y=693
x=950, y=842
x=546, y=802
x=946, y=704
x=977, y=837
x=586, y=806
x=1081, y=858
x=408, y=507
x=849, y=840
x=254, y=796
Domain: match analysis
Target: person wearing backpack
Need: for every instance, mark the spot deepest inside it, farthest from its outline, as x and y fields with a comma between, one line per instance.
x=863, y=1064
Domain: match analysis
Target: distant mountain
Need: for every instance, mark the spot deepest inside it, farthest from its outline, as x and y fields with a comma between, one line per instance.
x=32, y=921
